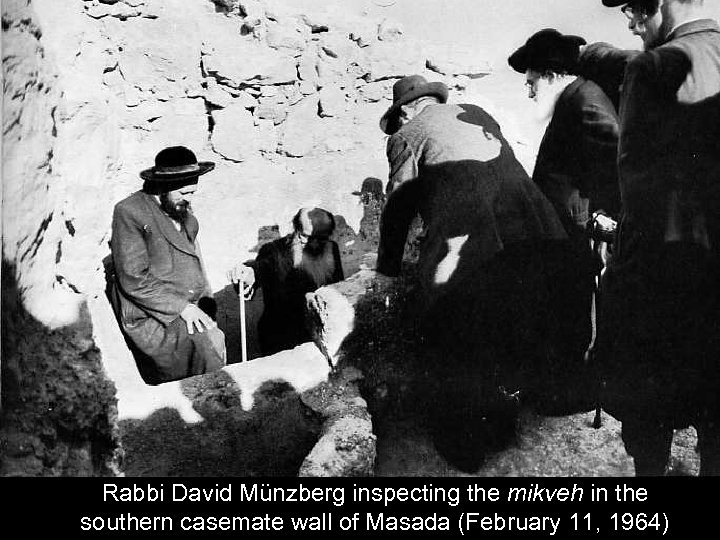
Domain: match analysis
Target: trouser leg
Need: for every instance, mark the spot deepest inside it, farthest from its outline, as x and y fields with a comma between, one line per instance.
x=648, y=441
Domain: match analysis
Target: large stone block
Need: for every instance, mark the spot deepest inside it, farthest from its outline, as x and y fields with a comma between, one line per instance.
x=302, y=128
x=235, y=61
x=332, y=101
x=233, y=135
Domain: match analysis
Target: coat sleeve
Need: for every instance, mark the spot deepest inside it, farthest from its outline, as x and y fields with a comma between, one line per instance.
x=401, y=206
x=648, y=131
x=605, y=65
x=599, y=133
x=132, y=267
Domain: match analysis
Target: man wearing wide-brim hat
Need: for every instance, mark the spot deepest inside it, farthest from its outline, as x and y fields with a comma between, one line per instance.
x=576, y=169
x=159, y=282
x=481, y=265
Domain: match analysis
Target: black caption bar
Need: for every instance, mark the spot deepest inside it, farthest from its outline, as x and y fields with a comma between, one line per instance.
x=338, y=508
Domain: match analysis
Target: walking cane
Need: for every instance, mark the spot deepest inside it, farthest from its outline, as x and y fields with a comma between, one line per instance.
x=243, y=338
x=598, y=246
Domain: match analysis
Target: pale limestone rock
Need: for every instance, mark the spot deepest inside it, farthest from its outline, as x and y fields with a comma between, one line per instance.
x=390, y=31
x=302, y=128
x=246, y=100
x=307, y=66
x=338, y=45
x=317, y=22
x=394, y=60
x=329, y=70
x=288, y=35
x=271, y=110
x=454, y=60
x=99, y=11
x=307, y=88
x=236, y=61
x=269, y=91
x=123, y=11
x=364, y=38
x=375, y=91
x=332, y=101
x=133, y=96
x=267, y=136
x=292, y=94
x=218, y=97
x=254, y=11
x=168, y=61
x=233, y=136
x=184, y=122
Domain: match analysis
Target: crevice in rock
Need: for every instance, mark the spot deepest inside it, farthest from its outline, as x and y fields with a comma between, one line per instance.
x=58, y=253
x=63, y=281
x=70, y=227
x=37, y=241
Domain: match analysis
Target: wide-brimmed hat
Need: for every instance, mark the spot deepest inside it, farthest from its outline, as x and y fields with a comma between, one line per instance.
x=176, y=166
x=547, y=49
x=408, y=89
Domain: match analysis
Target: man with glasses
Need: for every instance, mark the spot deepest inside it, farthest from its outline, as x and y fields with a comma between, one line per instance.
x=660, y=332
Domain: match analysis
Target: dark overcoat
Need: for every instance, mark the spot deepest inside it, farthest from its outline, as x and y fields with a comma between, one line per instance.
x=576, y=169
x=158, y=272
x=494, y=250
x=282, y=324
x=660, y=328
x=452, y=165
x=576, y=166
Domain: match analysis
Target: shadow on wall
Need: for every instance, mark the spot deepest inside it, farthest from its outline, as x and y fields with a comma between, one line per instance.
x=272, y=439
x=58, y=408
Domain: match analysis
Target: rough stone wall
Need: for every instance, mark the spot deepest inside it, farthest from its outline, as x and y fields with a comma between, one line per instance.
x=58, y=408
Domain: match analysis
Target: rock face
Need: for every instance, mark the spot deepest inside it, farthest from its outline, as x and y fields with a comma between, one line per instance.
x=287, y=104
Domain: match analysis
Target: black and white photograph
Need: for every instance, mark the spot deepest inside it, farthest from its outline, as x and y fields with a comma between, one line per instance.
x=360, y=238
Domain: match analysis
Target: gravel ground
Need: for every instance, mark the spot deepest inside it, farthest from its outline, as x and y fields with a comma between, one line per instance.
x=545, y=447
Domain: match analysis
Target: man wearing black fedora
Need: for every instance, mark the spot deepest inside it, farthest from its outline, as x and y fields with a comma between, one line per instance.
x=483, y=266
x=159, y=281
x=576, y=169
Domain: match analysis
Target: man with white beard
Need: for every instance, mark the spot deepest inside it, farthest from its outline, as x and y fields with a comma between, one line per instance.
x=576, y=171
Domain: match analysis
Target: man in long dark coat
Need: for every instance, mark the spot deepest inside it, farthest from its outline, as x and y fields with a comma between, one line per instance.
x=159, y=282
x=576, y=170
x=482, y=265
x=287, y=269
x=660, y=344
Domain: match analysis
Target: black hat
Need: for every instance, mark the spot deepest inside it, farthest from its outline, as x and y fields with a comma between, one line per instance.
x=547, y=49
x=176, y=166
x=319, y=223
x=410, y=88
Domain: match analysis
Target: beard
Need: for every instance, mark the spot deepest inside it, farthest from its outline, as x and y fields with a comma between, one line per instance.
x=545, y=102
x=178, y=211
